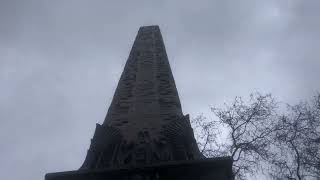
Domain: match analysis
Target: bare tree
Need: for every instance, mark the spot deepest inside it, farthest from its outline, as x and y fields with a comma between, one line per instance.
x=287, y=146
x=249, y=126
x=207, y=133
x=297, y=142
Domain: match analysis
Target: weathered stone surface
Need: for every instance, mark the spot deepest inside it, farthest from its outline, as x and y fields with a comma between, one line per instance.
x=145, y=134
x=146, y=97
x=145, y=112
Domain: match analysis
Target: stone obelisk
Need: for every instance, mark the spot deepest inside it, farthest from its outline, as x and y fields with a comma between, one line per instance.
x=145, y=134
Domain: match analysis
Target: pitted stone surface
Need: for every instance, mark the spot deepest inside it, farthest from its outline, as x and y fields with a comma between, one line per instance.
x=144, y=123
x=146, y=98
x=145, y=136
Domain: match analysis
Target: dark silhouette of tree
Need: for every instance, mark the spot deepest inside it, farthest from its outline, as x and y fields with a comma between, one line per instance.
x=248, y=125
x=285, y=146
x=296, y=142
x=207, y=133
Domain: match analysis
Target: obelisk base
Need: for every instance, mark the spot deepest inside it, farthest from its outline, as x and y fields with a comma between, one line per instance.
x=204, y=169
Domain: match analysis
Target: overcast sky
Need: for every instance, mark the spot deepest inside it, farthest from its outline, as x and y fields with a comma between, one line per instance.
x=60, y=62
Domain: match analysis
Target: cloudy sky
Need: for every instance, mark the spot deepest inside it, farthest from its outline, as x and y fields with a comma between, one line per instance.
x=60, y=62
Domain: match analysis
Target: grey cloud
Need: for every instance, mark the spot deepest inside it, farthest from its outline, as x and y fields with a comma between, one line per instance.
x=60, y=62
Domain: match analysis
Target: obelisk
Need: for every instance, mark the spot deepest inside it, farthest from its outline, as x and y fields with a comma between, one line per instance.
x=145, y=134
